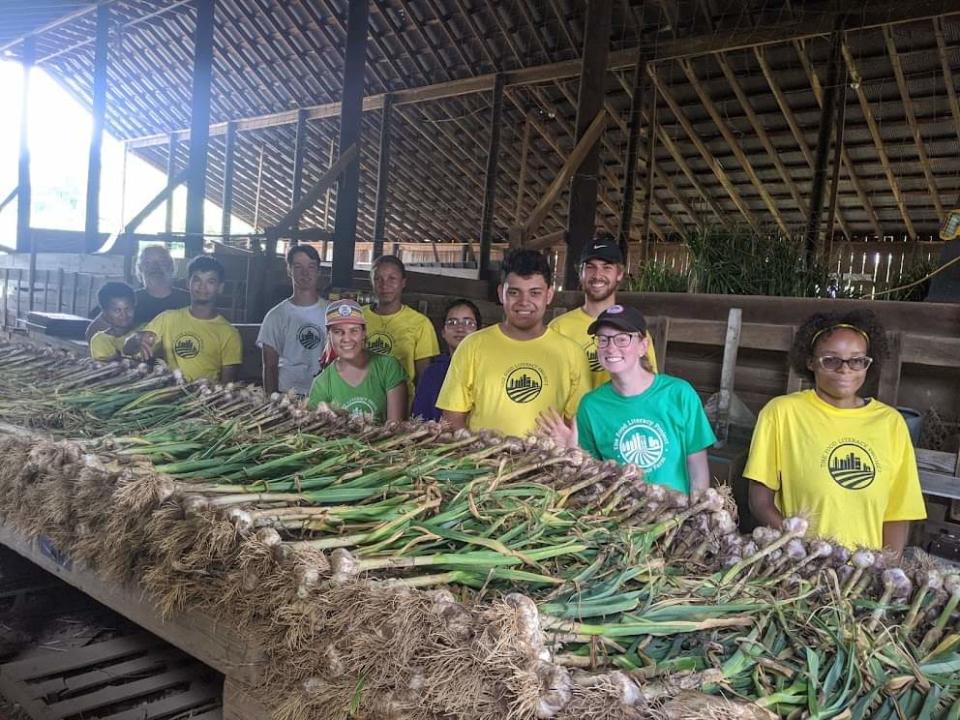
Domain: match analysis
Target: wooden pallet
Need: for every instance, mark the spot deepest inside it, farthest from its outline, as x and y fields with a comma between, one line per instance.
x=136, y=677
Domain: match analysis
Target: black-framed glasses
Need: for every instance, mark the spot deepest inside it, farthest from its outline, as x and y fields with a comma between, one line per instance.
x=834, y=363
x=620, y=340
x=460, y=322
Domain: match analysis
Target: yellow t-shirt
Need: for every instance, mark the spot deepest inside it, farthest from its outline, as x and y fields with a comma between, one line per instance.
x=406, y=335
x=847, y=470
x=104, y=346
x=199, y=348
x=574, y=325
x=505, y=384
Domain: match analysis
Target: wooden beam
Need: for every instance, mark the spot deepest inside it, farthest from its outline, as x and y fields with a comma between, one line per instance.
x=912, y=120
x=299, y=150
x=757, y=125
x=633, y=150
x=171, y=174
x=848, y=163
x=574, y=160
x=383, y=179
x=229, y=152
x=98, y=112
x=199, y=125
x=490, y=177
x=734, y=144
x=23, y=163
x=522, y=180
x=954, y=103
x=582, y=213
x=838, y=133
x=649, y=196
x=351, y=120
x=823, y=149
x=874, y=128
x=158, y=199
x=705, y=153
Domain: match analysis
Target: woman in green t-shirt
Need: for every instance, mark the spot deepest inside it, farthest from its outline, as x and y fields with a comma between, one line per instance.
x=358, y=380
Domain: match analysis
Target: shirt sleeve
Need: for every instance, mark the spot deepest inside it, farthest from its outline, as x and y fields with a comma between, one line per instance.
x=763, y=462
x=586, y=438
x=270, y=331
x=101, y=348
x=391, y=372
x=427, y=345
x=157, y=325
x=906, y=497
x=320, y=389
x=232, y=353
x=579, y=380
x=457, y=392
x=698, y=433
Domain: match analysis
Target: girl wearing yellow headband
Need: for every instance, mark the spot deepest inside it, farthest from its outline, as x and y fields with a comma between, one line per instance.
x=842, y=459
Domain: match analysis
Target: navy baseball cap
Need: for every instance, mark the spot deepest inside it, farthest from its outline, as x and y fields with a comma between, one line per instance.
x=622, y=317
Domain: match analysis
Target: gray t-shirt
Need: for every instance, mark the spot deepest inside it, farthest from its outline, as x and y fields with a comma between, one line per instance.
x=297, y=333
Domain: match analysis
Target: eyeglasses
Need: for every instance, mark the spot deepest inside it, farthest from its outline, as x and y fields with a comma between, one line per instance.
x=834, y=363
x=460, y=322
x=620, y=340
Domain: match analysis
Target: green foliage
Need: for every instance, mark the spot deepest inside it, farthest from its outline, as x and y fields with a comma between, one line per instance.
x=657, y=277
x=915, y=271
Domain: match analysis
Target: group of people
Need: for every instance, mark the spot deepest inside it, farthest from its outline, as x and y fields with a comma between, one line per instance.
x=588, y=379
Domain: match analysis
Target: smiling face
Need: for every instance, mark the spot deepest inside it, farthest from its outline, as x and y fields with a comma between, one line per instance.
x=614, y=359
x=155, y=267
x=839, y=387
x=388, y=284
x=303, y=271
x=599, y=279
x=525, y=300
x=205, y=287
x=466, y=323
x=119, y=314
x=347, y=339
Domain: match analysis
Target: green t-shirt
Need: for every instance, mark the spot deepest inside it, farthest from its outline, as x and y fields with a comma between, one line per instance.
x=655, y=430
x=369, y=397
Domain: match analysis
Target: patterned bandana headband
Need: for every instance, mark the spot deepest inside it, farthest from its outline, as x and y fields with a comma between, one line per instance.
x=839, y=326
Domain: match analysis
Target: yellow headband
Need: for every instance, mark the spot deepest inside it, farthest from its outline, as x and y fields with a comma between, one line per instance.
x=839, y=326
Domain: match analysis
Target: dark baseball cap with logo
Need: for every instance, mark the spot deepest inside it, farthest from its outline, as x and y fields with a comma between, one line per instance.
x=622, y=317
x=603, y=248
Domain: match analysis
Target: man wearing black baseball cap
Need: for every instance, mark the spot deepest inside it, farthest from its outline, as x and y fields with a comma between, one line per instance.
x=653, y=421
x=601, y=271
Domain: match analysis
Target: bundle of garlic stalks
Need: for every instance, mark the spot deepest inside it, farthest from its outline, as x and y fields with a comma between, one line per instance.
x=408, y=572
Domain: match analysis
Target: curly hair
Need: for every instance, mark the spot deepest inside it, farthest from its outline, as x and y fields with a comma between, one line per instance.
x=820, y=325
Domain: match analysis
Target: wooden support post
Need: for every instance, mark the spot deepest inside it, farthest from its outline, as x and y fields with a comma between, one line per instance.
x=731, y=348
x=23, y=165
x=633, y=151
x=383, y=178
x=171, y=173
x=199, y=125
x=327, y=197
x=229, y=150
x=838, y=134
x=582, y=214
x=351, y=119
x=823, y=148
x=490, y=176
x=649, y=198
x=522, y=180
x=299, y=149
x=91, y=240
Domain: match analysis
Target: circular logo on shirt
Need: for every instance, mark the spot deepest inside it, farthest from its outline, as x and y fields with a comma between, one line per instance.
x=360, y=406
x=187, y=346
x=380, y=343
x=310, y=336
x=852, y=465
x=643, y=443
x=523, y=383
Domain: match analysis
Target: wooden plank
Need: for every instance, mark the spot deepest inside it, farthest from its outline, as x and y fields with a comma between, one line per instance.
x=937, y=461
x=80, y=657
x=658, y=328
x=199, y=125
x=106, y=675
x=939, y=484
x=889, y=386
x=731, y=347
x=206, y=638
x=383, y=179
x=120, y=693
x=197, y=695
x=488, y=207
x=239, y=702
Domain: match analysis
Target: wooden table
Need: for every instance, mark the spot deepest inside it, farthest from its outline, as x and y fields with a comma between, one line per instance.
x=203, y=636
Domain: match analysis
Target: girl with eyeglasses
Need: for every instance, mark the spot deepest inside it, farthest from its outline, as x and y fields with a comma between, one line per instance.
x=653, y=421
x=844, y=461
x=460, y=319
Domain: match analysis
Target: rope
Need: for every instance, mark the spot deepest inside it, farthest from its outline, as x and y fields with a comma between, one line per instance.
x=926, y=277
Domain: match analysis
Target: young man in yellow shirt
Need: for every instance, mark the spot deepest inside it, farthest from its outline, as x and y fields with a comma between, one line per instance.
x=117, y=310
x=196, y=340
x=394, y=328
x=504, y=376
x=601, y=271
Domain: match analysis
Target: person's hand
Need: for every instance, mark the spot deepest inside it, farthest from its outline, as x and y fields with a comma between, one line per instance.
x=552, y=424
x=148, y=345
